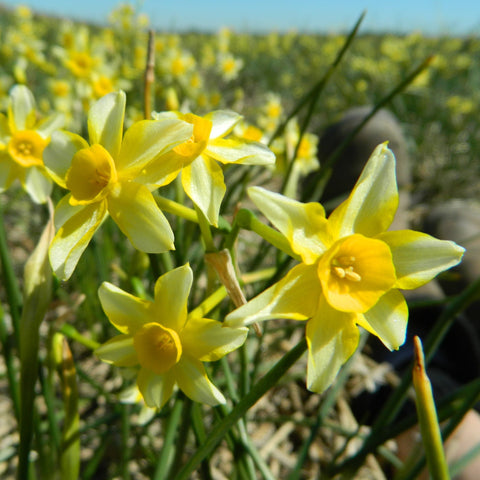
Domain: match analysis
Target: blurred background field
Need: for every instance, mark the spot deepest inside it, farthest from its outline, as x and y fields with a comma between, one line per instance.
x=69, y=65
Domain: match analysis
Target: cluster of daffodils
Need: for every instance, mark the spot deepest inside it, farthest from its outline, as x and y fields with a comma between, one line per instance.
x=350, y=268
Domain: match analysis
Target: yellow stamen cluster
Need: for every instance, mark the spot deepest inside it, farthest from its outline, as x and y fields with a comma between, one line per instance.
x=343, y=267
x=90, y=174
x=197, y=143
x=158, y=348
x=26, y=148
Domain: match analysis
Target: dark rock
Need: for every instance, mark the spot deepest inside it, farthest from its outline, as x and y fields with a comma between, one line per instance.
x=383, y=126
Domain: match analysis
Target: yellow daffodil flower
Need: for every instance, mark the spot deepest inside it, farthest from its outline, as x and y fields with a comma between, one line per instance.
x=352, y=269
x=168, y=344
x=202, y=177
x=102, y=179
x=22, y=141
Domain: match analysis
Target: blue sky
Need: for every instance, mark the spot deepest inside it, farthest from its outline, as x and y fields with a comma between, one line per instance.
x=429, y=16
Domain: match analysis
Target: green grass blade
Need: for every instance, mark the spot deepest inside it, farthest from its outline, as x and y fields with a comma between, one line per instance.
x=257, y=391
x=70, y=445
x=427, y=415
x=37, y=295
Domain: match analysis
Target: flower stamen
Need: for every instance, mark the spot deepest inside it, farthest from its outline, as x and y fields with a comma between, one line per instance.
x=91, y=174
x=343, y=267
x=26, y=148
x=158, y=348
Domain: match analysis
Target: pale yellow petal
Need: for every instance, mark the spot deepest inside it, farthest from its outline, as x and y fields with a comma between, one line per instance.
x=73, y=238
x=419, y=257
x=303, y=224
x=38, y=184
x=64, y=211
x=125, y=311
x=208, y=340
x=58, y=154
x=294, y=297
x=171, y=297
x=387, y=319
x=232, y=150
x=118, y=350
x=371, y=206
x=203, y=182
x=193, y=381
x=162, y=170
x=332, y=338
x=21, y=110
x=155, y=389
x=147, y=140
x=135, y=211
x=105, y=122
x=223, y=122
x=50, y=124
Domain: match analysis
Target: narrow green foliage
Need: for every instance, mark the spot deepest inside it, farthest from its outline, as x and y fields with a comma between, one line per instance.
x=428, y=420
x=37, y=295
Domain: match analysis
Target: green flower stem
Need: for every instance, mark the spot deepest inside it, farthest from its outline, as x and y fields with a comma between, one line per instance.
x=70, y=450
x=37, y=295
x=244, y=386
x=166, y=261
x=71, y=332
x=205, y=231
x=182, y=435
x=200, y=436
x=209, y=303
x=260, y=275
x=328, y=402
x=162, y=468
x=253, y=452
x=257, y=391
x=427, y=415
x=176, y=208
x=243, y=463
x=48, y=384
x=181, y=237
x=246, y=442
x=186, y=213
x=247, y=220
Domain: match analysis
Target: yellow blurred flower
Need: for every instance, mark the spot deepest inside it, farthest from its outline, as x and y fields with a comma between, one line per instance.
x=22, y=141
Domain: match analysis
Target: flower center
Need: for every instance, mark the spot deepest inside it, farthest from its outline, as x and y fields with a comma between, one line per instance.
x=355, y=272
x=26, y=148
x=344, y=267
x=197, y=143
x=80, y=64
x=158, y=348
x=91, y=173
